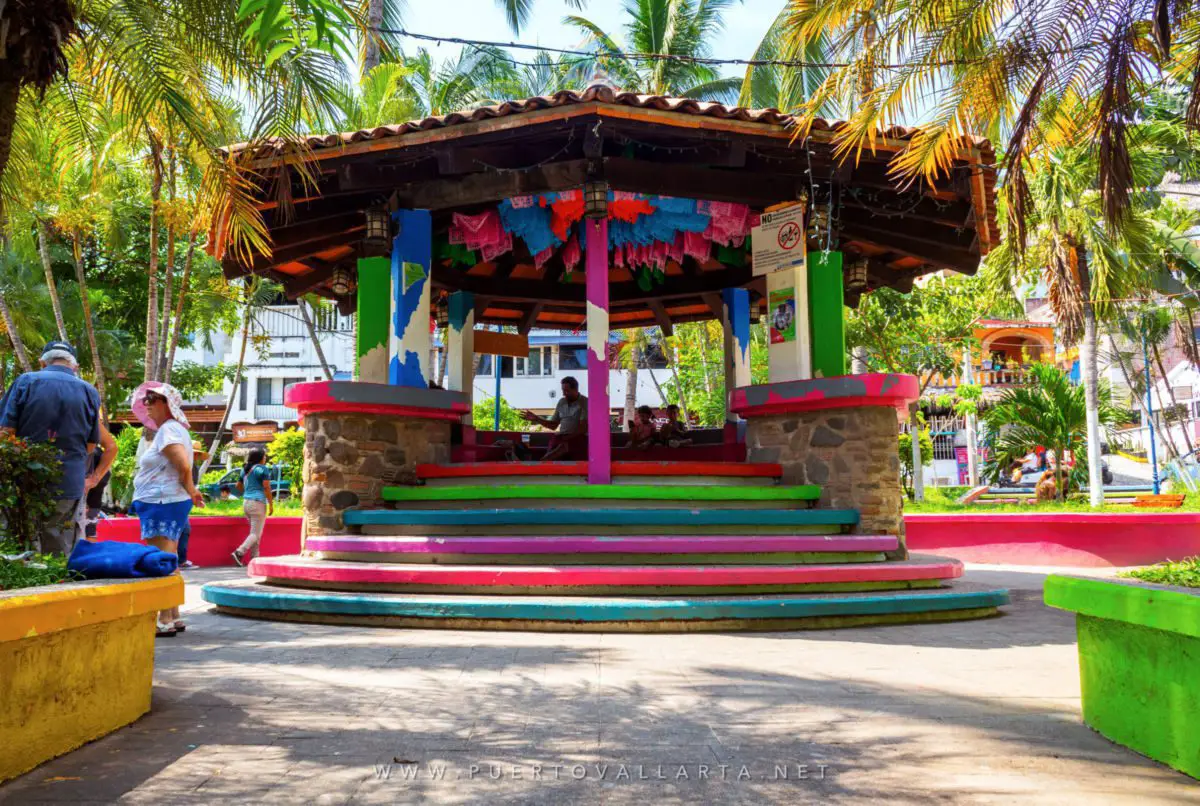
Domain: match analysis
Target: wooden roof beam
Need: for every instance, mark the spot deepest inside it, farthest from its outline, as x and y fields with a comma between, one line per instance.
x=530, y=318
x=660, y=316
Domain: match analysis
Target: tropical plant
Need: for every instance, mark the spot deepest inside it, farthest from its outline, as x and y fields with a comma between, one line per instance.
x=125, y=466
x=666, y=30
x=1051, y=413
x=483, y=416
x=29, y=473
x=905, y=451
x=786, y=88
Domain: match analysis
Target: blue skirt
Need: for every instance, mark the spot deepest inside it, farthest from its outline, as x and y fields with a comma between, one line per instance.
x=162, y=520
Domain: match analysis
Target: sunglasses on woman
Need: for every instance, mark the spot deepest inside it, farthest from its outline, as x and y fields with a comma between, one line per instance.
x=150, y=400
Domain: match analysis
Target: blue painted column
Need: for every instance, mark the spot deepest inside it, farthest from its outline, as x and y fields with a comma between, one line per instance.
x=736, y=321
x=412, y=256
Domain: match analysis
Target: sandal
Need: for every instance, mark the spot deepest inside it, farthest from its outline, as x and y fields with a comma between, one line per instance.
x=165, y=631
x=180, y=626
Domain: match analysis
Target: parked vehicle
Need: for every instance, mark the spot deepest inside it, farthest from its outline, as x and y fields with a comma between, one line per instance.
x=226, y=486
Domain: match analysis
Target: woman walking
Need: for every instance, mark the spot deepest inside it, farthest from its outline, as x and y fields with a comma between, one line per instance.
x=163, y=490
x=257, y=502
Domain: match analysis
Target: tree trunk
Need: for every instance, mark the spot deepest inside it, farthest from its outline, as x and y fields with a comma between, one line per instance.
x=704, y=347
x=631, y=379
x=164, y=325
x=237, y=380
x=918, y=480
x=312, y=334
x=858, y=361
x=151, y=355
x=89, y=325
x=1162, y=371
x=1090, y=368
x=13, y=335
x=683, y=405
x=44, y=250
x=179, y=298
x=1128, y=371
x=372, y=52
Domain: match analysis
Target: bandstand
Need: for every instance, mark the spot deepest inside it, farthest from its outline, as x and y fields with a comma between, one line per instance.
x=597, y=211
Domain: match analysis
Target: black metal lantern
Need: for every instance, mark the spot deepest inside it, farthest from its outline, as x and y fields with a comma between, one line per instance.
x=856, y=275
x=341, y=282
x=378, y=239
x=595, y=198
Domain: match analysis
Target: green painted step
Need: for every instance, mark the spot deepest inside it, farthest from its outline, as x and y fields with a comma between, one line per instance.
x=585, y=517
x=643, y=492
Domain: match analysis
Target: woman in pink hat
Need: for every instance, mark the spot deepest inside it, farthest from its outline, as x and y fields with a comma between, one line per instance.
x=163, y=490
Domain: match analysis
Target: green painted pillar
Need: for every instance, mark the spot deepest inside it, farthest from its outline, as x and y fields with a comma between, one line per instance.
x=374, y=313
x=826, y=314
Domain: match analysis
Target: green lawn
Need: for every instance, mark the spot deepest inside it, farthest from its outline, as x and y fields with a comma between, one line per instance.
x=945, y=499
x=1185, y=573
x=289, y=507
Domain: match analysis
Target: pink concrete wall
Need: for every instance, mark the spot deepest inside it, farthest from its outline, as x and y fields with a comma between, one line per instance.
x=214, y=538
x=1080, y=539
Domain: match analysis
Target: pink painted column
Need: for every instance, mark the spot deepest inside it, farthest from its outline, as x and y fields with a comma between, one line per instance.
x=599, y=438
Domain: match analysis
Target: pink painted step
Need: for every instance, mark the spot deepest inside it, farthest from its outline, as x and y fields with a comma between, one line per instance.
x=324, y=572
x=649, y=544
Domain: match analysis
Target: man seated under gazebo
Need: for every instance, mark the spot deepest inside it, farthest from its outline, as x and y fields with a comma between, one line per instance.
x=569, y=442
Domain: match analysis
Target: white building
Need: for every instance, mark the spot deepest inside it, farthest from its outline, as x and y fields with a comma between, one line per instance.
x=281, y=353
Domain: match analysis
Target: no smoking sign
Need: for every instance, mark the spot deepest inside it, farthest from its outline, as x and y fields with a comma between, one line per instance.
x=789, y=235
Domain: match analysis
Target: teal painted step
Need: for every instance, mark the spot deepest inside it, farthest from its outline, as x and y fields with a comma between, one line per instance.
x=608, y=517
x=569, y=492
x=271, y=601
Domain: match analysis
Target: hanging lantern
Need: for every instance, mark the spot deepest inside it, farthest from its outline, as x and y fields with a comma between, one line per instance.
x=595, y=198
x=378, y=240
x=856, y=275
x=341, y=282
x=819, y=219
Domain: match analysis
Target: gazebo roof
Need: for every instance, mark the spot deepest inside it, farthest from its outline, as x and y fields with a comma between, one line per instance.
x=469, y=162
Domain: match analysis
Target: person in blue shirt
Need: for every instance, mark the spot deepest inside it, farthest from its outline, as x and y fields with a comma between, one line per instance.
x=56, y=405
x=257, y=502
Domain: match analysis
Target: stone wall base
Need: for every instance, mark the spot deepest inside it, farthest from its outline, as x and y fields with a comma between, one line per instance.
x=851, y=453
x=350, y=458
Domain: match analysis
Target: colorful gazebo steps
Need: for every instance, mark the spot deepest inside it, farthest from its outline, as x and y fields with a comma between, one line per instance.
x=594, y=550
x=630, y=494
x=604, y=580
x=619, y=469
x=576, y=520
x=602, y=614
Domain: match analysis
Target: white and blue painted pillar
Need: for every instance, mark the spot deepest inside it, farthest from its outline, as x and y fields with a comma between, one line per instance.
x=412, y=257
x=736, y=321
x=460, y=342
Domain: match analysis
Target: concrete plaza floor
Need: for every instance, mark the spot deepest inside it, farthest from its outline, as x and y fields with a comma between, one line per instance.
x=254, y=712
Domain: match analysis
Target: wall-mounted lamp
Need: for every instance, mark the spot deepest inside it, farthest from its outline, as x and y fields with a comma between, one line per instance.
x=595, y=199
x=378, y=239
x=341, y=282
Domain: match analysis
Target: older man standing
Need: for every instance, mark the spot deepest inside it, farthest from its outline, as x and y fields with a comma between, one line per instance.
x=56, y=405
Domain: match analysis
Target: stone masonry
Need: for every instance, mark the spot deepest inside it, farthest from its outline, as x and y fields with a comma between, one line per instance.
x=851, y=453
x=350, y=458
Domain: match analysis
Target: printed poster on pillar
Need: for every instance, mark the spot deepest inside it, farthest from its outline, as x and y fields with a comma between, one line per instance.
x=778, y=242
x=782, y=315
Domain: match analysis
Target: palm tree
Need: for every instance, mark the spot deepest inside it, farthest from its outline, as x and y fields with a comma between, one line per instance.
x=1028, y=73
x=517, y=11
x=1051, y=413
x=664, y=28
x=1085, y=264
x=786, y=88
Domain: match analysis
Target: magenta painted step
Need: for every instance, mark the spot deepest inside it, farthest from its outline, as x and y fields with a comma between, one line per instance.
x=357, y=573
x=650, y=544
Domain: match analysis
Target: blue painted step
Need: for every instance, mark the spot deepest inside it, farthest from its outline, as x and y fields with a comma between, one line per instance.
x=267, y=599
x=608, y=517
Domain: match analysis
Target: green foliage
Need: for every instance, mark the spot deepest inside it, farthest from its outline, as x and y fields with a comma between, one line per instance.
x=212, y=477
x=287, y=507
x=30, y=572
x=944, y=500
x=483, y=416
x=1185, y=573
x=196, y=380
x=125, y=466
x=924, y=333
x=29, y=474
x=287, y=448
x=276, y=28
x=904, y=448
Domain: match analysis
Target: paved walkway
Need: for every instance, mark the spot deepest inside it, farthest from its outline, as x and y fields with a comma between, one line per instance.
x=253, y=712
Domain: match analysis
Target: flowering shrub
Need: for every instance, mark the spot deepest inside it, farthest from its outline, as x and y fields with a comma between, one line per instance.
x=29, y=475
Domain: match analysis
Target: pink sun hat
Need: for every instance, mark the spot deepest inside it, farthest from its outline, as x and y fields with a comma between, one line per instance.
x=174, y=402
